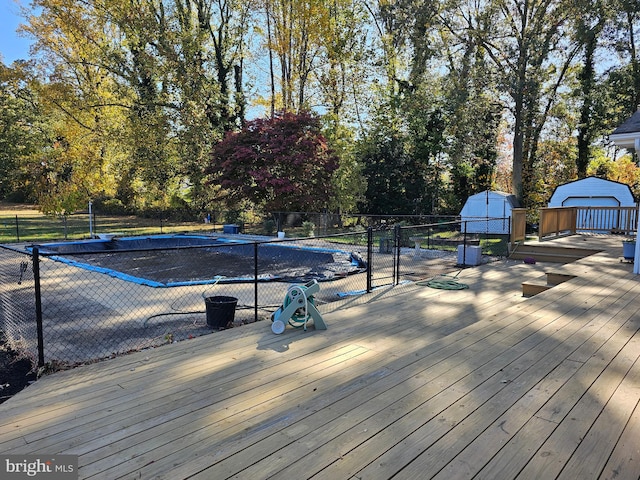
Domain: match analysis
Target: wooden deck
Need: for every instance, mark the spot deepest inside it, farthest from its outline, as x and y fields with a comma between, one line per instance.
x=411, y=382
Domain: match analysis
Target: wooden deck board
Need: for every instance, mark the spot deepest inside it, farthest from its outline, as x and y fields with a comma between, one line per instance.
x=521, y=447
x=496, y=384
x=458, y=357
x=594, y=450
x=410, y=382
x=559, y=448
x=623, y=462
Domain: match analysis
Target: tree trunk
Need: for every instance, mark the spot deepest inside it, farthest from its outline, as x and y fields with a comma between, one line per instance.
x=584, y=128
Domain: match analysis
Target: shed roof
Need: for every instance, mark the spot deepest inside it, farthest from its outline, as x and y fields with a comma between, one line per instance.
x=591, y=185
x=509, y=197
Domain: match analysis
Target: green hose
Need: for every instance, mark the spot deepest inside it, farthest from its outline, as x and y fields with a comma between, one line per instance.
x=444, y=284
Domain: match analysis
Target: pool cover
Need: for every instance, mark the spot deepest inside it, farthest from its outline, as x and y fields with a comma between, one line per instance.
x=220, y=262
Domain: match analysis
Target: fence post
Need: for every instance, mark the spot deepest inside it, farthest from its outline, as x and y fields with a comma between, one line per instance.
x=464, y=244
x=17, y=229
x=369, y=257
x=39, y=329
x=396, y=254
x=255, y=281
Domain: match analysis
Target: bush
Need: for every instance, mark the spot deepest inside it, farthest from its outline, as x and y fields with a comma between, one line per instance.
x=269, y=226
x=307, y=229
x=111, y=206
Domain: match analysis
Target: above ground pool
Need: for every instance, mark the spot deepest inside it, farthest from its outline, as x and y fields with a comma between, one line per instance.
x=177, y=260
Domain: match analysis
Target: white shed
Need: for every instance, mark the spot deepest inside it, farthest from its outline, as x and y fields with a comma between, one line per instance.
x=593, y=192
x=488, y=212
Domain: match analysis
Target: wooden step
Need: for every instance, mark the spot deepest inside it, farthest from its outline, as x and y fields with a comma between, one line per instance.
x=545, y=257
x=556, y=278
x=534, y=287
x=542, y=284
x=550, y=253
x=554, y=248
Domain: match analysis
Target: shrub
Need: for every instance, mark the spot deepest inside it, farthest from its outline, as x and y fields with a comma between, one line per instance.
x=269, y=226
x=307, y=228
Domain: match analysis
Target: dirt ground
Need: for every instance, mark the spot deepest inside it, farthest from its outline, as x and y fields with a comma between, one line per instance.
x=15, y=372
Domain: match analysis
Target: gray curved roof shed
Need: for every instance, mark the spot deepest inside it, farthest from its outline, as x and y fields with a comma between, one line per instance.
x=594, y=192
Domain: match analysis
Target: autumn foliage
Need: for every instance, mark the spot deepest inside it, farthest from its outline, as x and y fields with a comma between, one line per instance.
x=281, y=164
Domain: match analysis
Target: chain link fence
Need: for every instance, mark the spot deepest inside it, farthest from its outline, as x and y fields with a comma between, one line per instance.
x=83, y=224
x=77, y=302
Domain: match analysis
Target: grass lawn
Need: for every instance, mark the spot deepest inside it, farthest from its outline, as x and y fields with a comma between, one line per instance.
x=24, y=223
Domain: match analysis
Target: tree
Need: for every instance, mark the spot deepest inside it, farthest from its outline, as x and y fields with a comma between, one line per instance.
x=280, y=163
x=342, y=61
x=24, y=131
x=153, y=82
x=626, y=43
x=294, y=35
x=525, y=40
x=617, y=93
x=623, y=170
x=402, y=157
x=473, y=107
x=339, y=70
x=348, y=181
x=588, y=28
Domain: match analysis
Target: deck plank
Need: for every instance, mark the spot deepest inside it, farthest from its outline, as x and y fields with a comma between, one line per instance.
x=393, y=394
x=508, y=462
x=623, y=462
x=556, y=451
x=592, y=454
x=399, y=362
x=504, y=428
x=465, y=419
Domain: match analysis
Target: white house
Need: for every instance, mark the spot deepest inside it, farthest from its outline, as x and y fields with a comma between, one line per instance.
x=627, y=136
x=488, y=212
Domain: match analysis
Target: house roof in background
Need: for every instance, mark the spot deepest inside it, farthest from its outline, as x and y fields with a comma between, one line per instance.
x=631, y=125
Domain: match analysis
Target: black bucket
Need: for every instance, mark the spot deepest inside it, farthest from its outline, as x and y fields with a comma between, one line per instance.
x=220, y=311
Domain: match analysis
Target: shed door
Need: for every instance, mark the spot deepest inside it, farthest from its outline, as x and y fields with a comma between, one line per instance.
x=591, y=202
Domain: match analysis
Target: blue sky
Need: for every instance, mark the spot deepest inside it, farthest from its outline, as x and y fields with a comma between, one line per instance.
x=12, y=47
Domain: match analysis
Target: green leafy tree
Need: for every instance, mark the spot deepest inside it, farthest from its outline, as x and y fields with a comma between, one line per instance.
x=155, y=83
x=624, y=38
x=24, y=131
x=473, y=107
x=348, y=181
x=526, y=42
x=588, y=28
x=402, y=158
x=624, y=170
